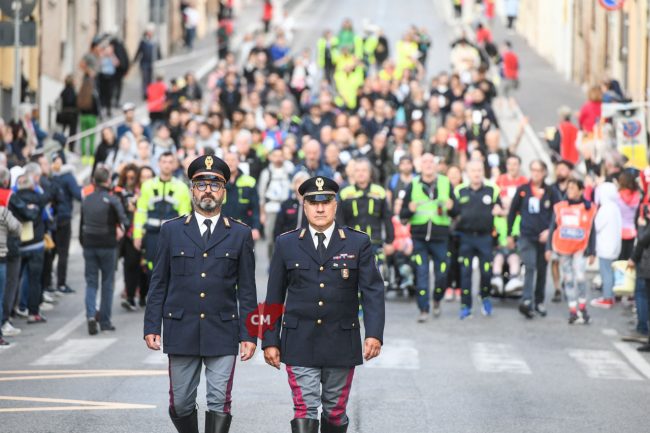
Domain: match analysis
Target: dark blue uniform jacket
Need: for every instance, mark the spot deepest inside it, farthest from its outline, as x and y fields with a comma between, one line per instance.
x=320, y=326
x=195, y=290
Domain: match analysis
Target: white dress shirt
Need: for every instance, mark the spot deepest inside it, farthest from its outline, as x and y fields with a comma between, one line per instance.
x=328, y=235
x=202, y=227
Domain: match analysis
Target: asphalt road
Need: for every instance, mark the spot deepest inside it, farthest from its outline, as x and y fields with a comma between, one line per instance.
x=498, y=374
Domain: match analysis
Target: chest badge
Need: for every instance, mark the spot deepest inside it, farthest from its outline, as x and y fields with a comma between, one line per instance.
x=345, y=273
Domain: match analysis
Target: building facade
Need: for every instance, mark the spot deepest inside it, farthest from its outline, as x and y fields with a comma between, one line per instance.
x=587, y=42
x=66, y=29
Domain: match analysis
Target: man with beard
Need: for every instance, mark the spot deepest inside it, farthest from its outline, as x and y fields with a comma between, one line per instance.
x=202, y=288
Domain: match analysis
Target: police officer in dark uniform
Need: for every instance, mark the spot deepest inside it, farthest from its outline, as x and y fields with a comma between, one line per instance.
x=476, y=204
x=242, y=201
x=318, y=273
x=202, y=290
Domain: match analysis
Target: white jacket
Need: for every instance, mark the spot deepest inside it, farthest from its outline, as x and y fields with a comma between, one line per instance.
x=608, y=223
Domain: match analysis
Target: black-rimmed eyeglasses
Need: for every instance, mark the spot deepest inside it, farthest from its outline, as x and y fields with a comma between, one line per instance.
x=214, y=186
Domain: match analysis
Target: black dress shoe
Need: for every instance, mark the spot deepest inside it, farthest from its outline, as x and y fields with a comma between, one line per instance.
x=108, y=327
x=217, y=422
x=185, y=424
x=304, y=425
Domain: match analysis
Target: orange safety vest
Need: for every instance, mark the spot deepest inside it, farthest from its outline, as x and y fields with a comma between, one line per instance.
x=572, y=227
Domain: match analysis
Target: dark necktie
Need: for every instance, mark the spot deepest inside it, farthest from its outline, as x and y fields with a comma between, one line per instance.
x=321, y=245
x=206, y=234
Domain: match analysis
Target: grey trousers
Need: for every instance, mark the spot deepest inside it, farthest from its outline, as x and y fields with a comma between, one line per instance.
x=184, y=377
x=305, y=383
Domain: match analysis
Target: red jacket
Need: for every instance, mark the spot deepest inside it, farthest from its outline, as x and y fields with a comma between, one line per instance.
x=589, y=115
x=268, y=12
x=156, y=96
x=568, y=135
x=510, y=65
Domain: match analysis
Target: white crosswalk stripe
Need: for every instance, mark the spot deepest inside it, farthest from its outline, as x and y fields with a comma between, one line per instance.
x=75, y=351
x=603, y=364
x=498, y=358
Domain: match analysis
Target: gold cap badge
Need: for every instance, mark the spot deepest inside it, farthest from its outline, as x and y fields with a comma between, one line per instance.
x=209, y=162
x=319, y=183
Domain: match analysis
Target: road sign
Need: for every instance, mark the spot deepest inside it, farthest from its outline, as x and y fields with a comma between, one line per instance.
x=27, y=34
x=612, y=5
x=26, y=8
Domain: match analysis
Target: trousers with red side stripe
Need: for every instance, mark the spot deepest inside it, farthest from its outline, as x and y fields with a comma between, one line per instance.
x=184, y=378
x=312, y=387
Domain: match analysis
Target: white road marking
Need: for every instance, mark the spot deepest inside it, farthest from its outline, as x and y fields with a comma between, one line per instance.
x=498, y=358
x=68, y=328
x=610, y=332
x=397, y=354
x=73, y=405
x=75, y=351
x=603, y=364
x=634, y=358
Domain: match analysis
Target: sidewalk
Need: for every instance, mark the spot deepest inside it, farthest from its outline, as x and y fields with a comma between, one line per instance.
x=542, y=89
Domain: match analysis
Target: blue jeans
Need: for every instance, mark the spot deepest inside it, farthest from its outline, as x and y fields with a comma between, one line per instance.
x=532, y=255
x=3, y=282
x=98, y=260
x=474, y=246
x=32, y=271
x=437, y=251
x=607, y=275
x=641, y=302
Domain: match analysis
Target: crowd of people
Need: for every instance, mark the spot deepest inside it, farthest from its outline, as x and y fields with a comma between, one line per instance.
x=423, y=169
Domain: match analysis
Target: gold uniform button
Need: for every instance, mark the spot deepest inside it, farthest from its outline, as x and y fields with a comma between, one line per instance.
x=182, y=253
x=202, y=295
x=297, y=265
x=170, y=314
x=233, y=316
x=319, y=321
x=202, y=274
x=321, y=303
x=205, y=254
x=322, y=285
x=227, y=254
x=202, y=316
x=322, y=269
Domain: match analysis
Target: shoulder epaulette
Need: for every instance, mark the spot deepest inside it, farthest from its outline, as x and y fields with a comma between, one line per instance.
x=290, y=231
x=355, y=230
x=240, y=222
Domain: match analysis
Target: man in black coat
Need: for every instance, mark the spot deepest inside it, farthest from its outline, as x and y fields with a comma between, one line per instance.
x=202, y=292
x=318, y=274
x=101, y=214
